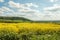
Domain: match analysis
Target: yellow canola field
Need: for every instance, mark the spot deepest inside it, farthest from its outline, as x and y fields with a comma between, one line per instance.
x=29, y=26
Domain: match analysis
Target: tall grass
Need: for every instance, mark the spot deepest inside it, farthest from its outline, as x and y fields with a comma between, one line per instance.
x=19, y=32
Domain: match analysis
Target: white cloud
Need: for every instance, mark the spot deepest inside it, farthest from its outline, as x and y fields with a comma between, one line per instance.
x=18, y=5
x=13, y=4
x=30, y=4
x=5, y=11
x=53, y=11
x=54, y=8
x=25, y=10
x=53, y=0
x=18, y=9
x=1, y=0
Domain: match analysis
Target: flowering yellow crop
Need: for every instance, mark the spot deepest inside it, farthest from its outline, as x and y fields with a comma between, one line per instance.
x=24, y=30
x=29, y=26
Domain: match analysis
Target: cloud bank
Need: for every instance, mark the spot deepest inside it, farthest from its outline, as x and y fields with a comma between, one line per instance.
x=30, y=11
x=1, y=0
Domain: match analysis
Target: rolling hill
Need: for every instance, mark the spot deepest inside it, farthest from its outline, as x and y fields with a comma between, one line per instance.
x=14, y=19
x=22, y=19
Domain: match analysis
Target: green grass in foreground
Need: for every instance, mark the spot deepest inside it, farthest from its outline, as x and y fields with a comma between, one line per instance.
x=25, y=34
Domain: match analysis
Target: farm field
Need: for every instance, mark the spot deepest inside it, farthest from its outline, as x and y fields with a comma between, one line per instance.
x=29, y=31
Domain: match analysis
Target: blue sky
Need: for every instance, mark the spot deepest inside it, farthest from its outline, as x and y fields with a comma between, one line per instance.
x=31, y=9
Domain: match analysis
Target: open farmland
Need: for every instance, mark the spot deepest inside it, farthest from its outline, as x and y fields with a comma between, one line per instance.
x=29, y=31
x=33, y=26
